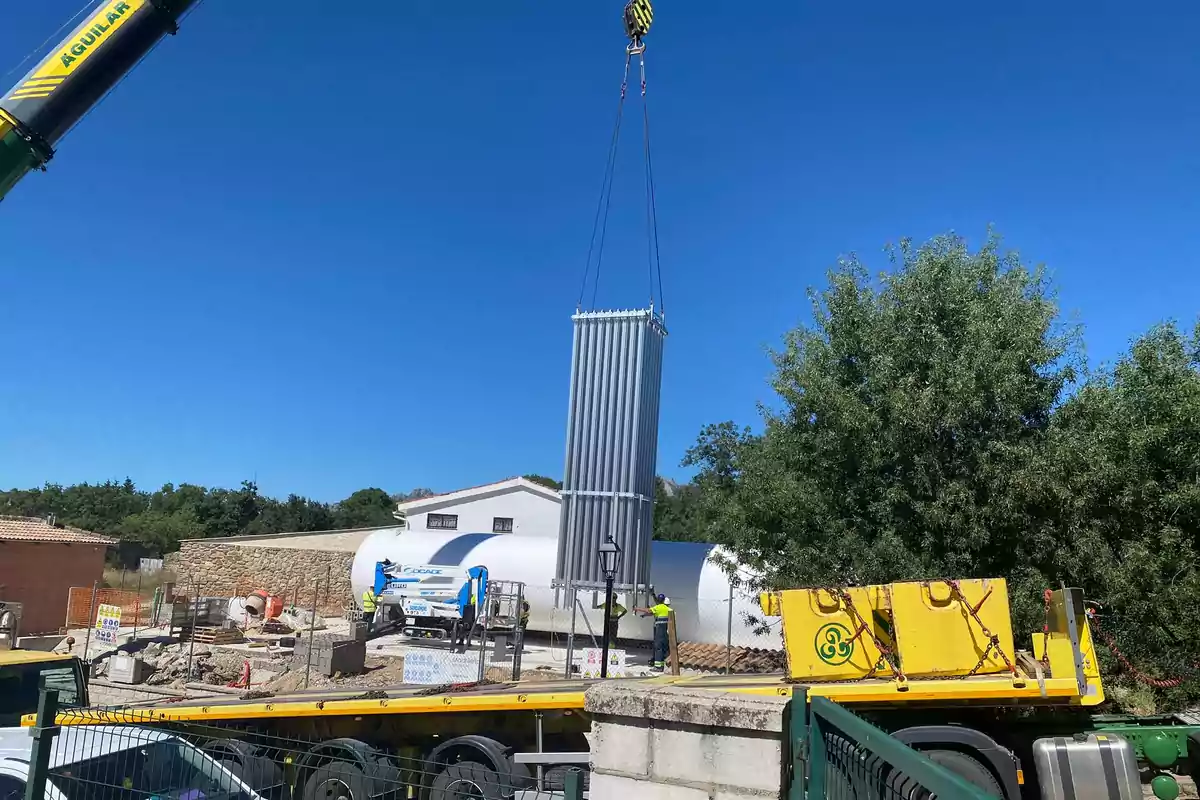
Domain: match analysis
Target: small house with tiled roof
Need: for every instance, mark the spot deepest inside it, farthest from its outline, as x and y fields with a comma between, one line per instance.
x=40, y=560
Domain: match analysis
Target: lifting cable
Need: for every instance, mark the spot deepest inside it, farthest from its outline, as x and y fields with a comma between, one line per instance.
x=637, y=18
x=132, y=69
x=42, y=48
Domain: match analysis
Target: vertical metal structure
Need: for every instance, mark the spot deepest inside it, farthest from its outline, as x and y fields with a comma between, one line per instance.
x=612, y=447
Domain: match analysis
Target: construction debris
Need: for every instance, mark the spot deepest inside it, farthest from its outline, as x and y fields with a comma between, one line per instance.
x=168, y=664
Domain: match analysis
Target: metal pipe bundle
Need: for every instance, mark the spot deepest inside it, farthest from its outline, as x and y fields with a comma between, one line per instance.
x=612, y=446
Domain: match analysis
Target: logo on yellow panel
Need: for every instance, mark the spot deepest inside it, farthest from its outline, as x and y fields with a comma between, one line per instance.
x=93, y=33
x=834, y=644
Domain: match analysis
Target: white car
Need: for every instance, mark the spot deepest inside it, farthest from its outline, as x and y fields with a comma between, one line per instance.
x=89, y=762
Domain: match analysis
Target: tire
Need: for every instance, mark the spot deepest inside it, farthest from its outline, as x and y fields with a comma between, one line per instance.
x=386, y=778
x=259, y=773
x=466, y=779
x=968, y=768
x=337, y=780
x=845, y=771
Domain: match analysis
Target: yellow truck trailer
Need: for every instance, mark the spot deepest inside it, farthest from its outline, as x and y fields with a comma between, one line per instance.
x=933, y=663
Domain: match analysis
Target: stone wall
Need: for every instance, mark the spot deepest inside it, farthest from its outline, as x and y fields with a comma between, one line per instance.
x=231, y=570
x=684, y=744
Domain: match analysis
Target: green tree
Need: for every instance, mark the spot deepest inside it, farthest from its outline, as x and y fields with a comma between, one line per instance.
x=910, y=411
x=294, y=514
x=544, y=481
x=1120, y=494
x=366, y=508
x=415, y=494
x=154, y=533
x=678, y=516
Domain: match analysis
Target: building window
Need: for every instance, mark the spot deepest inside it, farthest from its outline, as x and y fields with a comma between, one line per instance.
x=442, y=522
x=502, y=524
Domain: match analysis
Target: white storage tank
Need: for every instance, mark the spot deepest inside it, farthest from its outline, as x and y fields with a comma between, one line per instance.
x=699, y=590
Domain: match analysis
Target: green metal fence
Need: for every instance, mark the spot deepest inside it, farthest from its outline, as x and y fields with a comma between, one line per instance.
x=832, y=753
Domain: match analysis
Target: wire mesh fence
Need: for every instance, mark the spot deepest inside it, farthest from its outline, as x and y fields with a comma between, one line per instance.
x=841, y=756
x=84, y=601
x=126, y=754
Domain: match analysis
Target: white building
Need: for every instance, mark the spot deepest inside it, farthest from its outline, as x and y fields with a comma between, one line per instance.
x=515, y=506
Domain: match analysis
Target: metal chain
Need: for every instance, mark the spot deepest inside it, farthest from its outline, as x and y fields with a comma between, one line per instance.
x=886, y=653
x=1047, y=596
x=1138, y=675
x=993, y=639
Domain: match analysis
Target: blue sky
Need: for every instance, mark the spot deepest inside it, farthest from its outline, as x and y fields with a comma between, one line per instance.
x=333, y=250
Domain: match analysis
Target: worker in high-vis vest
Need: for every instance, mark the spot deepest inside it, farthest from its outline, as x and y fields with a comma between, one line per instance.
x=615, y=612
x=368, y=604
x=466, y=624
x=661, y=611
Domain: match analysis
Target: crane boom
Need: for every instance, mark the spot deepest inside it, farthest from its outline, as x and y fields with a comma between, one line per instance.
x=74, y=76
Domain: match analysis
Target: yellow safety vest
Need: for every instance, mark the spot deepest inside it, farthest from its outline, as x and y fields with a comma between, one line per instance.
x=616, y=610
x=368, y=602
x=660, y=611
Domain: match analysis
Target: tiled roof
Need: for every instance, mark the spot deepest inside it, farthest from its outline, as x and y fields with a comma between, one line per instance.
x=516, y=480
x=713, y=658
x=34, y=529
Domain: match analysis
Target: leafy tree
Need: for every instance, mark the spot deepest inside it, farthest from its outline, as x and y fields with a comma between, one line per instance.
x=366, y=508
x=152, y=533
x=415, y=494
x=1120, y=495
x=910, y=411
x=294, y=514
x=544, y=481
x=678, y=516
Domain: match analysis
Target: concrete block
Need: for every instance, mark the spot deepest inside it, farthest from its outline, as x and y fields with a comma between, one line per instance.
x=687, y=706
x=620, y=748
x=745, y=794
x=713, y=758
x=604, y=787
x=615, y=699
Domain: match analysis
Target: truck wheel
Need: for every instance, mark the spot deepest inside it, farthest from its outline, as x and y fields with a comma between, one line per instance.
x=259, y=773
x=466, y=779
x=968, y=768
x=337, y=780
x=386, y=777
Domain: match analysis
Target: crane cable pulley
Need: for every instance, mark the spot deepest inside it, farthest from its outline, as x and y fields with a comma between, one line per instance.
x=638, y=16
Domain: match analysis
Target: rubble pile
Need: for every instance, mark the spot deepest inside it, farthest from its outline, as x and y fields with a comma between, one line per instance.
x=169, y=665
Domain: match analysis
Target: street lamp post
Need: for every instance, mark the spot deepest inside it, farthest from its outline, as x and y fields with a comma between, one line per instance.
x=610, y=562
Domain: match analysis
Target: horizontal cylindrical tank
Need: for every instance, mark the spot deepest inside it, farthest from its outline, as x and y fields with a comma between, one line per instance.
x=612, y=446
x=699, y=590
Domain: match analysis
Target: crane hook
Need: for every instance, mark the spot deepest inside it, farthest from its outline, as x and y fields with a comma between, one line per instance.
x=638, y=16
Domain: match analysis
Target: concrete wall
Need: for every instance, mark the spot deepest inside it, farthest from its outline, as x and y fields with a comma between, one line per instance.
x=673, y=743
x=532, y=514
x=225, y=569
x=40, y=574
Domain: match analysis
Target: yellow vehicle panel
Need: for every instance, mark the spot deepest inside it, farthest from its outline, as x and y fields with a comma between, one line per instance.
x=941, y=627
x=13, y=657
x=838, y=632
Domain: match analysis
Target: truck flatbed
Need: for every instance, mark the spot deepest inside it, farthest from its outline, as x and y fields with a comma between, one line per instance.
x=568, y=695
